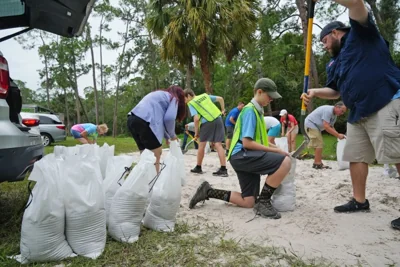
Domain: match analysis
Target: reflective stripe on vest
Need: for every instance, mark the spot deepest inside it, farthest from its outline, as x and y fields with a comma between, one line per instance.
x=205, y=107
x=260, y=134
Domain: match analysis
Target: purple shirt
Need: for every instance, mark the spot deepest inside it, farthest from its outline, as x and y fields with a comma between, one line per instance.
x=158, y=109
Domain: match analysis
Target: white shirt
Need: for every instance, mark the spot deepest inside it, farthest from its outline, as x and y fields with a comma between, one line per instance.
x=270, y=122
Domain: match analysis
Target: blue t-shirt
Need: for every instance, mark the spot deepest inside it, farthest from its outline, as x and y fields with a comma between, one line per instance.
x=364, y=71
x=233, y=113
x=193, y=111
x=248, y=128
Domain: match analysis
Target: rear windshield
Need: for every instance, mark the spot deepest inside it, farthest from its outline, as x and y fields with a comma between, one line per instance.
x=12, y=8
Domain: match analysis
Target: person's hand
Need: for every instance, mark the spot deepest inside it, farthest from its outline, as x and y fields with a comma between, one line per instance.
x=223, y=112
x=287, y=134
x=280, y=151
x=307, y=97
x=341, y=136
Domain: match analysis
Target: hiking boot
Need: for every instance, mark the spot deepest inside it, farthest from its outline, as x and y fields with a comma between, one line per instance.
x=196, y=170
x=220, y=172
x=320, y=166
x=396, y=224
x=264, y=208
x=200, y=195
x=353, y=206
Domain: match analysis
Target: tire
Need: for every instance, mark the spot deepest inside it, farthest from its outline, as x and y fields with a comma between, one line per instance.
x=46, y=139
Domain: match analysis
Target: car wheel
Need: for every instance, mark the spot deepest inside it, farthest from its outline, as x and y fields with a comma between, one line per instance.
x=46, y=139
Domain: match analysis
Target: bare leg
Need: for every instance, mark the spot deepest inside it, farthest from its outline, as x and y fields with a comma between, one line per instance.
x=275, y=179
x=293, y=141
x=289, y=141
x=221, y=153
x=227, y=144
x=318, y=156
x=236, y=198
x=157, y=153
x=271, y=140
x=359, y=173
x=83, y=140
x=200, y=153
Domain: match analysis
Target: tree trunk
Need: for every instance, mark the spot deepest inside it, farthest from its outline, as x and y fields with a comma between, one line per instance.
x=189, y=73
x=75, y=85
x=46, y=69
x=96, y=106
x=376, y=13
x=66, y=110
x=101, y=70
x=205, y=67
x=115, y=119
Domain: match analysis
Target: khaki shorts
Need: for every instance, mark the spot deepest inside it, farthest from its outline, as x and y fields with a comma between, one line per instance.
x=316, y=140
x=295, y=130
x=375, y=137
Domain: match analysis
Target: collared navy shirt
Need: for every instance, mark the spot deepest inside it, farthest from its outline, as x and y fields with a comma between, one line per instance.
x=364, y=72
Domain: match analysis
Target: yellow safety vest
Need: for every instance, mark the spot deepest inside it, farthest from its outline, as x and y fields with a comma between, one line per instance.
x=205, y=107
x=261, y=132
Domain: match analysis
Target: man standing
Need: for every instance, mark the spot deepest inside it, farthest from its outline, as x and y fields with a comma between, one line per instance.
x=230, y=122
x=206, y=113
x=363, y=73
x=322, y=118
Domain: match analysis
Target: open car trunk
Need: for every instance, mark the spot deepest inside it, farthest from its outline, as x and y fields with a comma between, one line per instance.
x=62, y=17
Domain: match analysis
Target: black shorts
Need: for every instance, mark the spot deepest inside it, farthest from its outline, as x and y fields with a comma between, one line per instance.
x=141, y=132
x=212, y=131
x=250, y=164
x=229, y=131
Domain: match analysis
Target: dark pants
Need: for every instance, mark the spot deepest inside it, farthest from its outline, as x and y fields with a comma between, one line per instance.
x=185, y=137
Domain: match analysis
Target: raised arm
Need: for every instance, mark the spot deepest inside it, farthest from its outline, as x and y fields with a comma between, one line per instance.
x=357, y=10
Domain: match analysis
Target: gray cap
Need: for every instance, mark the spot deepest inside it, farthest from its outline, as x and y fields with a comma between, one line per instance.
x=268, y=86
x=335, y=25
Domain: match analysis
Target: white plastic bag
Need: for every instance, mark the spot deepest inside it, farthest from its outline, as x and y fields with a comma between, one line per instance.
x=129, y=202
x=343, y=165
x=42, y=231
x=208, y=148
x=284, y=197
x=176, y=151
x=165, y=199
x=105, y=153
x=389, y=171
x=117, y=168
x=282, y=143
x=84, y=205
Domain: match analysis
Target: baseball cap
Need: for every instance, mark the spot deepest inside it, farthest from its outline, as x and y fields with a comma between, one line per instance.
x=268, y=86
x=335, y=25
x=283, y=112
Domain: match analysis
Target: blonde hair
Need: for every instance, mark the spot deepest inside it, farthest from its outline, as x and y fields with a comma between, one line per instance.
x=103, y=127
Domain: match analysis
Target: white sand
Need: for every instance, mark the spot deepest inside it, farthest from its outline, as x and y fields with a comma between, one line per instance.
x=313, y=230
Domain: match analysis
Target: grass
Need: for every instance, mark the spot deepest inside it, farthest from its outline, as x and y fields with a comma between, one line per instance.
x=188, y=245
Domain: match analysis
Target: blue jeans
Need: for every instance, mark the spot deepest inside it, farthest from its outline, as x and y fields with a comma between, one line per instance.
x=185, y=137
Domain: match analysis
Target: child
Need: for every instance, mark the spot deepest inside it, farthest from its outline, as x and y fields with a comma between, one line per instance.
x=81, y=132
x=154, y=118
x=207, y=114
x=251, y=156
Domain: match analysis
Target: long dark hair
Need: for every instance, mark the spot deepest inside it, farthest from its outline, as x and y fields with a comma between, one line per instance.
x=177, y=92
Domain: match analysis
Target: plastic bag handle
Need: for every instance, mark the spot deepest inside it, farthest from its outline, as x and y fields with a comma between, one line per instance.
x=156, y=177
x=127, y=169
x=31, y=197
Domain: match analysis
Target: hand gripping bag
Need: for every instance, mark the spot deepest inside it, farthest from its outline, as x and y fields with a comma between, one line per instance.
x=343, y=165
x=129, y=202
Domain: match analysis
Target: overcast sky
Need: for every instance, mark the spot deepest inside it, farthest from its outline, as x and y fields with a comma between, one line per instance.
x=24, y=64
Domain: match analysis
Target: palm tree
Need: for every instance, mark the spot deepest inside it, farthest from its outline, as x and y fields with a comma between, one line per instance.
x=202, y=28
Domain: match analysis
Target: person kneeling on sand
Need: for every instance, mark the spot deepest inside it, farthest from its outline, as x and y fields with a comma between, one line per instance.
x=251, y=156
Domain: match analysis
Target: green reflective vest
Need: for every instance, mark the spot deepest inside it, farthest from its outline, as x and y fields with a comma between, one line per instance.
x=205, y=107
x=260, y=134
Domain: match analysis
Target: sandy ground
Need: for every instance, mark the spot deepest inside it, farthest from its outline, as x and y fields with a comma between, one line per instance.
x=312, y=230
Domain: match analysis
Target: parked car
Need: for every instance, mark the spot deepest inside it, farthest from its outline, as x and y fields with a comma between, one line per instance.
x=20, y=146
x=32, y=121
x=50, y=127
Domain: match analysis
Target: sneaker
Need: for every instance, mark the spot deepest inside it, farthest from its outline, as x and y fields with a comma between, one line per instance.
x=396, y=224
x=353, y=206
x=196, y=170
x=265, y=209
x=220, y=172
x=200, y=195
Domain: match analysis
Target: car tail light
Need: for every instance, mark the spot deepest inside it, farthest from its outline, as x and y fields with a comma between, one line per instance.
x=4, y=77
x=62, y=127
x=30, y=122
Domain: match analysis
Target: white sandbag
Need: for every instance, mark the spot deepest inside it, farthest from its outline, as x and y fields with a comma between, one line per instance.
x=84, y=205
x=207, y=150
x=165, y=199
x=176, y=151
x=42, y=231
x=284, y=197
x=105, y=152
x=343, y=165
x=129, y=202
x=282, y=143
x=389, y=171
x=117, y=168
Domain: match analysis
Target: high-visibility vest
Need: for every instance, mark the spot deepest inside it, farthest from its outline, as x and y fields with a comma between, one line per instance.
x=205, y=107
x=260, y=134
